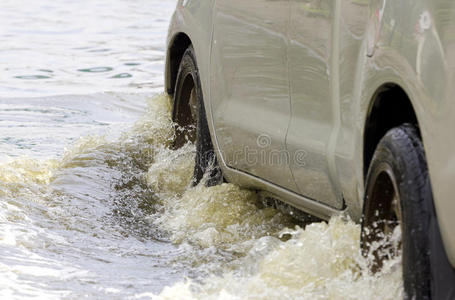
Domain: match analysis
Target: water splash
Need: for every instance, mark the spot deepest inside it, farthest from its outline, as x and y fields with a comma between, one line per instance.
x=321, y=262
x=118, y=217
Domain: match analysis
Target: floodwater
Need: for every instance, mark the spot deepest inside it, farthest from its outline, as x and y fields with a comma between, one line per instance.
x=94, y=203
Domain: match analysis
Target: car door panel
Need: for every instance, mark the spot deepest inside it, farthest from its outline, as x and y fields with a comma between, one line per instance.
x=249, y=93
x=314, y=112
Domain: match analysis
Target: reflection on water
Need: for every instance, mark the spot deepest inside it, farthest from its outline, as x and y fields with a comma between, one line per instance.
x=94, y=203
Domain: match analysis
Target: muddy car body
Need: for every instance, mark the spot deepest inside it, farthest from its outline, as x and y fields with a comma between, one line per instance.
x=299, y=94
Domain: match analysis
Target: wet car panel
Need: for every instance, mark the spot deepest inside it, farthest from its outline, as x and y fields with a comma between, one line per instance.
x=313, y=80
x=250, y=87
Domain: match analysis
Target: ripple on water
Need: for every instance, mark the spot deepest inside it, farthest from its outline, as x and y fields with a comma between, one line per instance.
x=99, y=50
x=96, y=70
x=75, y=38
x=122, y=75
x=32, y=77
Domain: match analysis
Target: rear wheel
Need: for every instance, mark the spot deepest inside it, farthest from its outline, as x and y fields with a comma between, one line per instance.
x=398, y=195
x=190, y=118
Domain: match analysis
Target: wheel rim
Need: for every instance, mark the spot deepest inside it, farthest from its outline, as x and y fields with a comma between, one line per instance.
x=186, y=113
x=382, y=217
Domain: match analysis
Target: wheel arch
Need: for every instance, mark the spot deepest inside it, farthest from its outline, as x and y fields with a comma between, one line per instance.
x=177, y=47
x=389, y=107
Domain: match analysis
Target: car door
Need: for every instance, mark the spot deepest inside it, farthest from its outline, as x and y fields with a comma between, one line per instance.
x=249, y=89
x=313, y=87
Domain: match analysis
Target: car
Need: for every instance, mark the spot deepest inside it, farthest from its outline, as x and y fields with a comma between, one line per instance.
x=331, y=107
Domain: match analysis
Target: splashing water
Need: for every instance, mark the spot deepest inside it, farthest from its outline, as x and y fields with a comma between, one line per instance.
x=118, y=217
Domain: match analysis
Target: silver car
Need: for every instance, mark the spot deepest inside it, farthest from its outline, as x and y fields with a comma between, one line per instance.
x=330, y=106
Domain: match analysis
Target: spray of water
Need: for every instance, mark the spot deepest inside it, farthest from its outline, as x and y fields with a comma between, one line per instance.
x=105, y=200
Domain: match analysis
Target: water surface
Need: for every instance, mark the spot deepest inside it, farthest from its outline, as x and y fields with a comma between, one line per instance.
x=80, y=47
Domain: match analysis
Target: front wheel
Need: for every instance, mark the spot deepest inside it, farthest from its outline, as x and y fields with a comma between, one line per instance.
x=398, y=195
x=190, y=118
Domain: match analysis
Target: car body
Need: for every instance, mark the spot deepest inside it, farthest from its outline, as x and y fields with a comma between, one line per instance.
x=309, y=78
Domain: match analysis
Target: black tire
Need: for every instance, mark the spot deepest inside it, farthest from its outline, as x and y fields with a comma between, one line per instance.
x=400, y=156
x=190, y=118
